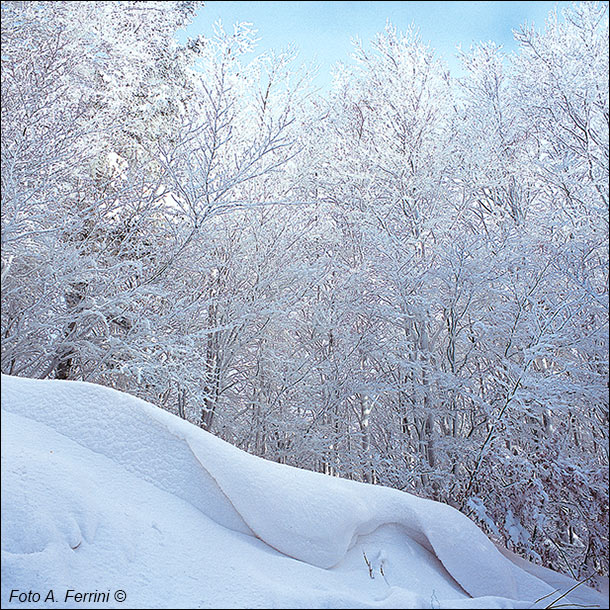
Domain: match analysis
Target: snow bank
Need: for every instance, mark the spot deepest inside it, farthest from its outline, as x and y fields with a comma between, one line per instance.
x=140, y=437
x=102, y=489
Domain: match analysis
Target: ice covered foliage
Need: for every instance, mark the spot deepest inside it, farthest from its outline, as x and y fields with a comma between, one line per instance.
x=104, y=491
x=403, y=282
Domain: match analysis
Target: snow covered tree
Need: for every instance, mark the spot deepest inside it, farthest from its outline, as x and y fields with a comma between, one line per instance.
x=404, y=283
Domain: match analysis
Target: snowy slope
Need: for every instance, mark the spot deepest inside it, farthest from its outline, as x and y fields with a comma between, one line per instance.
x=102, y=491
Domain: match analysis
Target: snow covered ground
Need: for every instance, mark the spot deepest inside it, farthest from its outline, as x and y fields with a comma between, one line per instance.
x=104, y=495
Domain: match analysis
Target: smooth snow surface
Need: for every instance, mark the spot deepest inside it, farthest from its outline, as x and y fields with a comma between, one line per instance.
x=102, y=491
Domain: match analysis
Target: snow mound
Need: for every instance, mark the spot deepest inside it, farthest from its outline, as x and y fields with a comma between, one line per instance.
x=101, y=489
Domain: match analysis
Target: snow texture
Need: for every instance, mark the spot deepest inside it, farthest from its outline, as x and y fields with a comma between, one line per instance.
x=102, y=491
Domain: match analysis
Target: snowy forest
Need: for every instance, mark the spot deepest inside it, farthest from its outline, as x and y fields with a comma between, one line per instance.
x=402, y=282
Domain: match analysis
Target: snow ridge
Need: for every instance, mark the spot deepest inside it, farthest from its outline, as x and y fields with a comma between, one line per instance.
x=127, y=430
x=325, y=523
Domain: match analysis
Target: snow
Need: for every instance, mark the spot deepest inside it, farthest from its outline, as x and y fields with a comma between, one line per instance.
x=102, y=491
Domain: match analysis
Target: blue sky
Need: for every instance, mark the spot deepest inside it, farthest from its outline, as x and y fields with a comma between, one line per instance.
x=322, y=31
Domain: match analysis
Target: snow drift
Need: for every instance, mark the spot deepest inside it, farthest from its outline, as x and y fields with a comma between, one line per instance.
x=102, y=491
